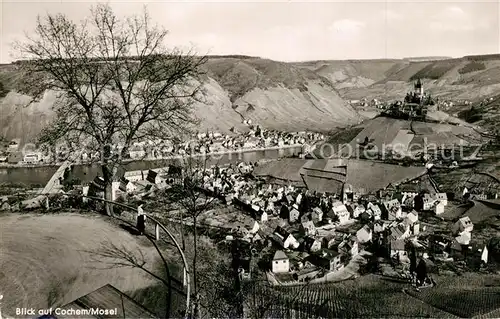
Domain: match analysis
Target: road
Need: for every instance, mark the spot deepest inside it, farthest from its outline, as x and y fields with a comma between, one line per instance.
x=349, y=271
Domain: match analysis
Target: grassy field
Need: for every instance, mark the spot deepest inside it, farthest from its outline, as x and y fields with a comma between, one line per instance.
x=49, y=260
x=287, y=169
x=335, y=141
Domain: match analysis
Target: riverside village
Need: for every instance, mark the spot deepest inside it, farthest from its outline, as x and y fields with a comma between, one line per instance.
x=141, y=181
x=299, y=219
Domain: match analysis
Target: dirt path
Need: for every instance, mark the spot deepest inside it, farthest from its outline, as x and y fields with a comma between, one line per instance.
x=48, y=260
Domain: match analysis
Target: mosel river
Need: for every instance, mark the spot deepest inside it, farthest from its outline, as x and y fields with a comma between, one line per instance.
x=34, y=176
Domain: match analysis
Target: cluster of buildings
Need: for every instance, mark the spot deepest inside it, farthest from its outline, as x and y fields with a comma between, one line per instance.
x=203, y=143
x=12, y=154
x=312, y=233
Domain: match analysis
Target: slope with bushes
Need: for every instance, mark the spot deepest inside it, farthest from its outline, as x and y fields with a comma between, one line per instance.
x=289, y=96
x=274, y=94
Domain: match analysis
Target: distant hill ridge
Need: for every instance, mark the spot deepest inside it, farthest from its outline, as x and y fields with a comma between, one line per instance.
x=426, y=58
x=289, y=95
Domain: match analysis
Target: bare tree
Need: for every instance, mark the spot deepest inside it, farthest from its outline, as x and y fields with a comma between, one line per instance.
x=193, y=201
x=117, y=83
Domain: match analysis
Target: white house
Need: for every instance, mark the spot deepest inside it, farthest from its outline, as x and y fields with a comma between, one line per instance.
x=393, y=209
x=285, y=239
x=365, y=234
x=375, y=211
x=317, y=214
x=13, y=145
x=358, y=210
x=411, y=218
x=293, y=215
x=263, y=216
x=464, y=238
x=464, y=224
x=398, y=250
x=429, y=202
x=298, y=199
x=308, y=228
x=129, y=186
x=349, y=246
x=311, y=244
x=136, y=152
x=340, y=210
x=443, y=198
x=439, y=208
x=32, y=157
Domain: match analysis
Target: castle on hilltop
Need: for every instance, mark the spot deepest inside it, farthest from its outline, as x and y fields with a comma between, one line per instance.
x=414, y=106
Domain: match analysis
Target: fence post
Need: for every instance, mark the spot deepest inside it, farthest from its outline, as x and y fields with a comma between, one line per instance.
x=185, y=278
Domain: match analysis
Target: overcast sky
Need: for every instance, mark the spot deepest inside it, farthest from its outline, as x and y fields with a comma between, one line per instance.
x=295, y=31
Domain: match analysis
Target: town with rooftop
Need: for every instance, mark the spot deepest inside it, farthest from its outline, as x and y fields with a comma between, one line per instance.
x=306, y=195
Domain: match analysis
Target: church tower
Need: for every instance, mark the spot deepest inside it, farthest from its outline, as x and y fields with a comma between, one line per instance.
x=419, y=88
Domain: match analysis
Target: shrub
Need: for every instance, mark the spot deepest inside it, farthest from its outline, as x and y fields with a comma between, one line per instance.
x=470, y=116
x=433, y=71
x=471, y=67
x=3, y=90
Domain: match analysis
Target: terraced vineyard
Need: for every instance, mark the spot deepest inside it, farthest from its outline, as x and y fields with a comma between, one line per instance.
x=478, y=301
x=369, y=296
x=467, y=296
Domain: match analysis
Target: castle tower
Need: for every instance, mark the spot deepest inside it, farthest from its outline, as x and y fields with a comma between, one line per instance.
x=419, y=88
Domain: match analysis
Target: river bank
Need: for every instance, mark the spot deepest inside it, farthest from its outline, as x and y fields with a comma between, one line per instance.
x=211, y=154
x=40, y=175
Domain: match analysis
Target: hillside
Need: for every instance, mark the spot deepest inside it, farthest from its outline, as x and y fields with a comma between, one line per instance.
x=291, y=96
x=484, y=113
x=469, y=77
x=273, y=94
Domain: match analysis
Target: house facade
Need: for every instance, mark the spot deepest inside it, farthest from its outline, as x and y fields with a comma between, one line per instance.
x=393, y=209
x=340, y=210
x=311, y=244
x=398, y=249
x=464, y=224
x=32, y=158
x=365, y=234
x=428, y=202
x=285, y=239
x=307, y=228
x=439, y=208
x=375, y=210
x=317, y=214
x=280, y=263
x=442, y=198
x=293, y=215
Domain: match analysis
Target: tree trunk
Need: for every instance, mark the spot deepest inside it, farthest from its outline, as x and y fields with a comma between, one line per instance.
x=107, y=175
x=196, y=312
